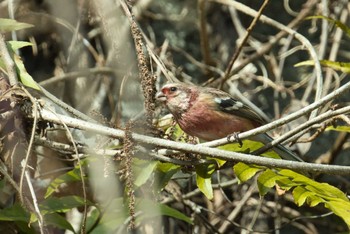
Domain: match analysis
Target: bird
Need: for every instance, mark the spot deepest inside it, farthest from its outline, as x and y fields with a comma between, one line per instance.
x=210, y=114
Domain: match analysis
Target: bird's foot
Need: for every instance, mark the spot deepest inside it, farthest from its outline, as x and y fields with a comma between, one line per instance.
x=236, y=138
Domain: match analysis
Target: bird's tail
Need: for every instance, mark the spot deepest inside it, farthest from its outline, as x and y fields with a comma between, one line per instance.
x=279, y=149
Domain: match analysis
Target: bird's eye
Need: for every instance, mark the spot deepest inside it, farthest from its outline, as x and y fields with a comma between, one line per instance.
x=173, y=89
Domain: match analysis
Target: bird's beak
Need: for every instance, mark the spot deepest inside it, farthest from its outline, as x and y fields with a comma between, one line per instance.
x=160, y=96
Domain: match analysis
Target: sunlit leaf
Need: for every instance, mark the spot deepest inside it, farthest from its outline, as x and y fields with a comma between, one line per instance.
x=244, y=172
x=338, y=66
x=15, y=45
x=338, y=23
x=144, y=171
x=8, y=25
x=300, y=195
x=203, y=179
x=26, y=79
x=267, y=180
x=165, y=172
x=338, y=128
x=322, y=189
x=340, y=208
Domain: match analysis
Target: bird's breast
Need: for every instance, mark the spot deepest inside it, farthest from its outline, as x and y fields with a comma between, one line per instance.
x=209, y=124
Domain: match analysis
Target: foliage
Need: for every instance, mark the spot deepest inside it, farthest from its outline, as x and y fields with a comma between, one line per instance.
x=92, y=65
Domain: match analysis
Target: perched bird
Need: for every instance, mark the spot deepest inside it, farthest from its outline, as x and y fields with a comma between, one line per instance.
x=211, y=114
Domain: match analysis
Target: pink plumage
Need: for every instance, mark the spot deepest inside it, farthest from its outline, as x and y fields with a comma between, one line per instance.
x=211, y=114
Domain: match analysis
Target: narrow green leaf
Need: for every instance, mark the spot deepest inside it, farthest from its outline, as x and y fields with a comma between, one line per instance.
x=244, y=172
x=26, y=79
x=14, y=213
x=8, y=25
x=203, y=179
x=339, y=128
x=93, y=218
x=15, y=45
x=61, y=204
x=59, y=221
x=338, y=66
x=70, y=176
x=146, y=205
x=338, y=23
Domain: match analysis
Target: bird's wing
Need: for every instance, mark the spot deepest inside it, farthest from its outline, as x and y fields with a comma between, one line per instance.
x=229, y=105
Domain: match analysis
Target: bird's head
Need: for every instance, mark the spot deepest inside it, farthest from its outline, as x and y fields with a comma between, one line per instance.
x=176, y=97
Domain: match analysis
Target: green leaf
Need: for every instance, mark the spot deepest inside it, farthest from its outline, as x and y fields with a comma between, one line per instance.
x=300, y=195
x=93, y=218
x=338, y=23
x=338, y=66
x=339, y=128
x=286, y=183
x=341, y=209
x=267, y=180
x=146, y=206
x=248, y=146
x=59, y=221
x=144, y=171
x=61, y=204
x=323, y=190
x=113, y=217
x=26, y=79
x=70, y=176
x=165, y=172
x=8, y=25
x=14, y=213
x=15, y=45
x=244, y=172
x=203, y=179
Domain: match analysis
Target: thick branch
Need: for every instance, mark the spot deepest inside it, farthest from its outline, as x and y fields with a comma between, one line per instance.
x=199, y=149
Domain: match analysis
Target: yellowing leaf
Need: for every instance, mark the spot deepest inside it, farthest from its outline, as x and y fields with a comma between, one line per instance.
x=340, y=208
x=339, y=128
x=244, y=172
x=267, y=180
x=300, y=195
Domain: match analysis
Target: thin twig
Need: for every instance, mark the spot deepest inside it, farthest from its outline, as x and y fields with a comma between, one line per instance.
x=9, y=63
x=35, y=200
x=71, y=138
x=240, y=47
x=304, y=41
x=30, y=144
